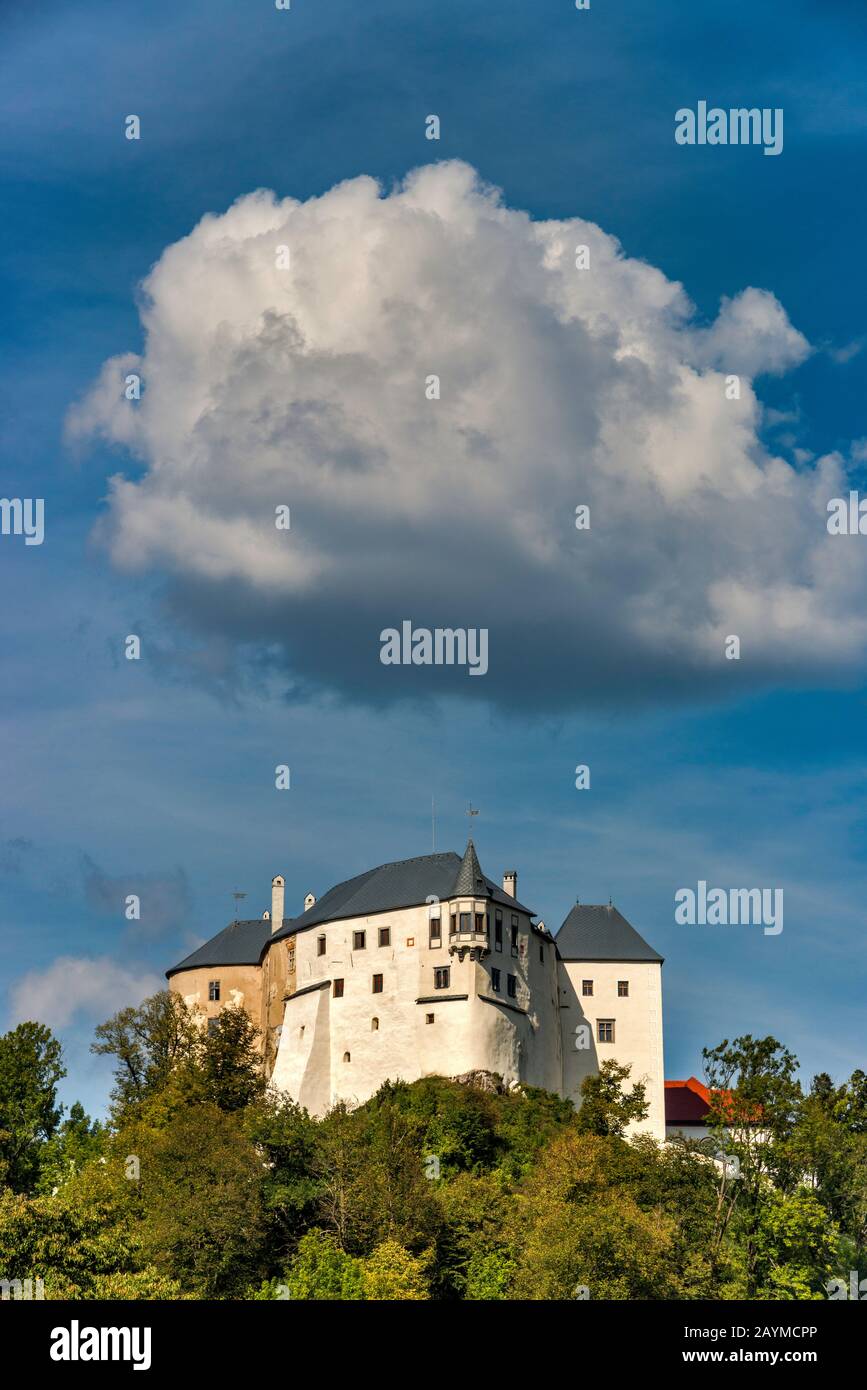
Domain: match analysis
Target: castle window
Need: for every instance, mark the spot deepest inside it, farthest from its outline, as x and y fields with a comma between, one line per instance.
x=359, y=940
x=542, y=953
x=441, y=976
x=337, y=990
x=514, y=935
x=346, y=1057
x=466, y=919
x=453, y=924
x=213, y=1025
x=213, y=990
x=495, y=979
x=385, y=936
x=436, y=932
x=586, y=988
x=605, y=1030
x=320, y=945
x=377, y=984
x=623, y=989
x=498, y=930
x=374, y=1025
x=480, y=923
x=429, y=1018
x=512, y=986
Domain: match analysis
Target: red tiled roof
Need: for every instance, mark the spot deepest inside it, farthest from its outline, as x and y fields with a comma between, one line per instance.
x=686, y=1102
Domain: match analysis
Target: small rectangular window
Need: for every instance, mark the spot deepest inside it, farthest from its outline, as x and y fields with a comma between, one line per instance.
x=377, y=984
x=359, y=940
x=586, y=987
x=213, y=990
x=542, y=954
x=605, y=1030
x=514, y=936
x=436, y=932
x=441, y=977
x=320, y=945
x=623, y=989
x=512, y=986
x=453, y=924
x=385, y=936
x=480, y=923
x=338, y=989
x=428, y=1018
x=495, y=980
x=466, y=919
x=498, y=930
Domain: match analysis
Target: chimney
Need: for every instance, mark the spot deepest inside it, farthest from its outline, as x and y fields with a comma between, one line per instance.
x=510, y=882
x=278, y=887
x=309, y=900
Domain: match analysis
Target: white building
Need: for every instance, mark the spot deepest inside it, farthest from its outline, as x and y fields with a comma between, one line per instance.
x=427, y=967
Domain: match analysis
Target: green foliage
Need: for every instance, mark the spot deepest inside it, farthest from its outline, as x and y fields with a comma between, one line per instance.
x=30, y=1068
x=391, y=1272
x=77, y=1141
x=149, y=1042
x=322, y=1270
x=224, y=1067
x=605, y=1107
x=200, y=1199
x=795, y=1247
x=206, y=1185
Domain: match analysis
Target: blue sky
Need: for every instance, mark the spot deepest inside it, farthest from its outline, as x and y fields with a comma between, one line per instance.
x=160, y=773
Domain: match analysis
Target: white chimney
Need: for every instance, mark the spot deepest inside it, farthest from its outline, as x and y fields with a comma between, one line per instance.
x=510, y=882
x=309, y=900
x=278, y=888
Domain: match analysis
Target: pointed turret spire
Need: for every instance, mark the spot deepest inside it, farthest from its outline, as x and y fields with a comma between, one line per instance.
x=470, y=881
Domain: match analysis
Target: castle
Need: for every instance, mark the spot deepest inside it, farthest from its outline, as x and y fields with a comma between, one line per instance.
x=426, y=966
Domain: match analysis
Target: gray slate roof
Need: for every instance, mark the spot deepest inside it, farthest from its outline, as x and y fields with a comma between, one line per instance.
x=240, y=943
x=406, y=883
x=470, y=879
x=593, y=932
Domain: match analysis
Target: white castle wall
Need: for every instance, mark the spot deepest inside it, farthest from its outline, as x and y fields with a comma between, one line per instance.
x=637, y=1034
x=467, y=1034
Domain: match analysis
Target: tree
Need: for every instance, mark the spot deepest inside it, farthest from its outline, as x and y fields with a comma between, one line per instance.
x=391, y=1272
x=149, y=1042
x=77, y=1141
x=795, y=1245
x=200, y=1194
x=74, y=1239
x=225, y=1066
x=755, y=1101
x=30, y=1068
x=605, y=1107
x=322, y=1270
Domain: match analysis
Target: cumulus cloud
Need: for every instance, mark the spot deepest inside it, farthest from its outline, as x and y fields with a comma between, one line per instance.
x=75, y=987
x=305, y=386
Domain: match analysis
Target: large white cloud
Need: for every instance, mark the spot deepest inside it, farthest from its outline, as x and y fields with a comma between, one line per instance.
x=74, y=987
x=306, y=386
